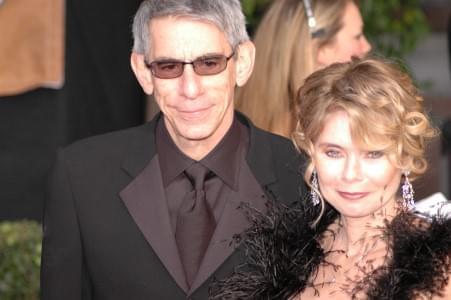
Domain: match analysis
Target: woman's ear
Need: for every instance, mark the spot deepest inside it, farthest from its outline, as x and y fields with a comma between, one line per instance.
x=244, y=62
x=141, y=71
x=325, y=55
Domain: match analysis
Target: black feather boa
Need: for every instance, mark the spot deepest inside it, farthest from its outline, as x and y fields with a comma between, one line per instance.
x=282, y=253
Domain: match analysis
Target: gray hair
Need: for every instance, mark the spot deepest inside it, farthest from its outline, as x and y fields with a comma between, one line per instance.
x=227, y=15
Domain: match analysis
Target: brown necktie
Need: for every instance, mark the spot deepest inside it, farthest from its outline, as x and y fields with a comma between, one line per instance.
x=195, y=223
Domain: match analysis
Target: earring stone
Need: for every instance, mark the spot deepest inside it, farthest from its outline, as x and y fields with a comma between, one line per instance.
x=314, y=189
x=407, y=193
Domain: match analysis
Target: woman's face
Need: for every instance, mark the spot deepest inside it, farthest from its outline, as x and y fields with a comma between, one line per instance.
x=348, y=42
x=358, y=182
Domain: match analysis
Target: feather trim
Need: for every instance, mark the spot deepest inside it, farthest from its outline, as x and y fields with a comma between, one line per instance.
x=282, y=253
x=420, y=263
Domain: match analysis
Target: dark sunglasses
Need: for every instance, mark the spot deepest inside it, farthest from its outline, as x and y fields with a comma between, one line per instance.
x=173, y=68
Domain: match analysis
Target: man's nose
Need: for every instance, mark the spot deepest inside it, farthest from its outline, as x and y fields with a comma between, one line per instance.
x=190, y=82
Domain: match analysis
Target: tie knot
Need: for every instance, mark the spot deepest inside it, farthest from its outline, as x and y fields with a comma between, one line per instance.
x=197, y=173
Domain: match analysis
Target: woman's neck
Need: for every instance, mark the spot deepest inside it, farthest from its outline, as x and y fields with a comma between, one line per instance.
x=352, y=235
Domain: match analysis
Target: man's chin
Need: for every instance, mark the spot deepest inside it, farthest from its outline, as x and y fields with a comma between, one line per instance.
x=196, y=135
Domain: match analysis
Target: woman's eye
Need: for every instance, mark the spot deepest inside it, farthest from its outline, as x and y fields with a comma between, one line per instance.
x=333, y=153
x=375, y=154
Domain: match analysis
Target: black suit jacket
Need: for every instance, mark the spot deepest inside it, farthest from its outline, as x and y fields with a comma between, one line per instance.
x=107, y=233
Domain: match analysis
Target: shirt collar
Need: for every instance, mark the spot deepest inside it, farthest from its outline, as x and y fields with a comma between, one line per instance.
x=172, y=160
x=224, y=160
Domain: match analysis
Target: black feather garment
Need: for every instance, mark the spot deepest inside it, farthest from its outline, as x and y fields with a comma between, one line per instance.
x=283, y=253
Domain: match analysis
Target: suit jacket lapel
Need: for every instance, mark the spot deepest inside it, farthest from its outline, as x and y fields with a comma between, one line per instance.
x=145, y=200
x=233, y=221
x=261, y=160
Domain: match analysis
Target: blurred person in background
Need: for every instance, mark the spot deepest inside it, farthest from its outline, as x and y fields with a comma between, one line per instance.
x=293, y=39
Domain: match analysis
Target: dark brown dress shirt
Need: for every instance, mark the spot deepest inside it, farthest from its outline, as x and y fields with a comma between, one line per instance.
x=224, y=161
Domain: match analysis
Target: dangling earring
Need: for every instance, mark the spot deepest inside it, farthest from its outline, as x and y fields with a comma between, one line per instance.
x=314, y=189
x=407, y=192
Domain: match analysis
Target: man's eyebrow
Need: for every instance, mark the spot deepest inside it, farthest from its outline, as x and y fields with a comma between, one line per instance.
x=167, y=58
x=209, y=54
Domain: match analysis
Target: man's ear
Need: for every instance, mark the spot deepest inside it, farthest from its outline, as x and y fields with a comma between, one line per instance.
x=245, y=62
x=142, y=73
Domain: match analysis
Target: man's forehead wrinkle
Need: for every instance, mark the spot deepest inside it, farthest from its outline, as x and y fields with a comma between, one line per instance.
x=182, y=42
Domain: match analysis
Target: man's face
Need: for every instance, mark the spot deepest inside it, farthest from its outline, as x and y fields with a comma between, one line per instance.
x=198, y=109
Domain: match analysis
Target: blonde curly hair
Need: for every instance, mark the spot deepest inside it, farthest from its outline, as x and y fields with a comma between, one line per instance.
x=384, y=107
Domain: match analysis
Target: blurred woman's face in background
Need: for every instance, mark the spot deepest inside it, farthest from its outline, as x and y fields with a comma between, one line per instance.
x=349, y=41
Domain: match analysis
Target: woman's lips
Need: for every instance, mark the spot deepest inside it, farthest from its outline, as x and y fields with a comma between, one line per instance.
x=352, y=196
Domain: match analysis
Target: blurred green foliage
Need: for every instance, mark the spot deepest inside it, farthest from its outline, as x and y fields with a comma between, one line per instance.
x=254, y=10
x=20, y=255
x=394, y=27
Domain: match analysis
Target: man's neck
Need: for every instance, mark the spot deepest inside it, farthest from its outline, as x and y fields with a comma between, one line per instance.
x=198, y=149
x=194, y=149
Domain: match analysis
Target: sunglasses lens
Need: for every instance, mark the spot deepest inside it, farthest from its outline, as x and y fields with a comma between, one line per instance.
x=206, y=65
x=167, y=69
x=210, y=65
